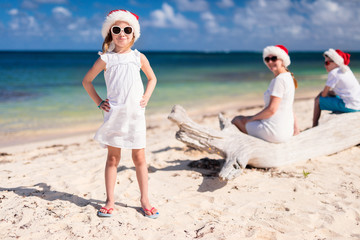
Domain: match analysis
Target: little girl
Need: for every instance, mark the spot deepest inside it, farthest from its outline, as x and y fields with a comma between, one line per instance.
x=124, y=109
x=342, y=90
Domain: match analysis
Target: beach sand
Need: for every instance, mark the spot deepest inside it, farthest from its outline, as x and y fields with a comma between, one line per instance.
x=52, y=189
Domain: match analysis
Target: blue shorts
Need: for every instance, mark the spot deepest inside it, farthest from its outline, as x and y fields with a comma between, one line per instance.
x=335, y=104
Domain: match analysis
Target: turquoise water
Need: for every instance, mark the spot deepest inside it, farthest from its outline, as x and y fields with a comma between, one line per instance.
x=43, y=90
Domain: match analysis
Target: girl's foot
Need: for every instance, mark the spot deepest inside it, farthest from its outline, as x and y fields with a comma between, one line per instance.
x=148, y=210
x=150, y=213
x=108, y=212
x=108, y=208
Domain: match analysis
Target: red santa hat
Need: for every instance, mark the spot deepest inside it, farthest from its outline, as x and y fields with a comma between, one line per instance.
x=339, y=57
x=121, y=15
x=278, y=50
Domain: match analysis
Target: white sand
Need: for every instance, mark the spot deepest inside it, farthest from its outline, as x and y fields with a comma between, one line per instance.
x=52, y=190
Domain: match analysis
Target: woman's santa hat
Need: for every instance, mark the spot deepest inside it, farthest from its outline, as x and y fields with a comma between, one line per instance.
x=339, y=57
x=278, y=50
x=121, y=15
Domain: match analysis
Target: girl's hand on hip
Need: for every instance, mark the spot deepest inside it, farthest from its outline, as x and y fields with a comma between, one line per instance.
x=144, y=101
x=105, y=106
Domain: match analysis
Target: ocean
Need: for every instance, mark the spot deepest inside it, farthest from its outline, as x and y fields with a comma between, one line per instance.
x=43, y=90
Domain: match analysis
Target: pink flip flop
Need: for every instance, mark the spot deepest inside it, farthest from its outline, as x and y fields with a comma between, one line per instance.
x=108, y=212
x=152, y=216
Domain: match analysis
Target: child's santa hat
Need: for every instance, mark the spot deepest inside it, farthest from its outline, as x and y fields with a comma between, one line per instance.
x=278, y=50
x=121, y=15
x=339, y=57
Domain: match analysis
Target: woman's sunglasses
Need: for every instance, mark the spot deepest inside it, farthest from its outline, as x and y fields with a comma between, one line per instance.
x=273, y=58
x=327, y=63
x=117, y=30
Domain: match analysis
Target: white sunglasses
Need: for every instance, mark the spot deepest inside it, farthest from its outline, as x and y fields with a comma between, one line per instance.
x=116, y=30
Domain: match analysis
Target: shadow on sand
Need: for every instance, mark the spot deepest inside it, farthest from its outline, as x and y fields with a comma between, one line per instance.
x=208, y=168
x=48, y=194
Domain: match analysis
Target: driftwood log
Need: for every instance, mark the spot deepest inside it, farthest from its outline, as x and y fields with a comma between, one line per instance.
x=338, y=133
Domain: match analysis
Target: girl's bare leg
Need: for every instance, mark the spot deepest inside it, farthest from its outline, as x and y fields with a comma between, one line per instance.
x=138, y=156
x=112, y=162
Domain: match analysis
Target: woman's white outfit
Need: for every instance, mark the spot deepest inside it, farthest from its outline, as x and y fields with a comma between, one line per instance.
x=279, y=127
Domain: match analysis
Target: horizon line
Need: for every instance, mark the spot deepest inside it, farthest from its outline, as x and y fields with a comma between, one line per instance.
x=160, y=51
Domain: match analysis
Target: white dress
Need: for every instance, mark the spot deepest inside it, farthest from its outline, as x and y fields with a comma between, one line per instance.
x=124, y=125
x=280, y=126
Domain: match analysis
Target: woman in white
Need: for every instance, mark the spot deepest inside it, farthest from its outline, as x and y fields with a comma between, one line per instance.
x=342, y=90
x=276, y=122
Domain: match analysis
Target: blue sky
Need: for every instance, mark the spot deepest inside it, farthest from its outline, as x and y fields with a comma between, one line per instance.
x=219, y=25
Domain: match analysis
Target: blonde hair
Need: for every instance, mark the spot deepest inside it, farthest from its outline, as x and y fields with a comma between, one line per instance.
x=294, y=79
x=106, y=43
x=108, y=39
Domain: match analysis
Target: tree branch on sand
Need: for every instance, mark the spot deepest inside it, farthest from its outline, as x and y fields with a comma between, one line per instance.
x=341, y=131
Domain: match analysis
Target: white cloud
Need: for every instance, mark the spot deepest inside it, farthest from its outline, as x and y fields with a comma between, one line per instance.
x=61, y=12
x=55, y=25
x=87, y=35
x=263, y=18
x=262, y=3
x=305, y=23
x=167, y=18
x=26, y=25
x=77, y=23
x=77, y=29
x=61, y=23
x=193, y=6
x=34, y=4
x=328, y=12
x=13, y=11
x=28, y=4
x=334, y=19
x=211, y=24
x=298, y=24
x=226, y=3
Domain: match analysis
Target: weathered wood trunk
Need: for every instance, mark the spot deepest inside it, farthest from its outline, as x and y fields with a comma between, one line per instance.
x=239, y=149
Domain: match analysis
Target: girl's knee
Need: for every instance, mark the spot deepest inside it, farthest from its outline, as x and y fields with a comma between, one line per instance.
x=113, y=157
x=113, y=160
x=138, y=156
x=139, y=162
